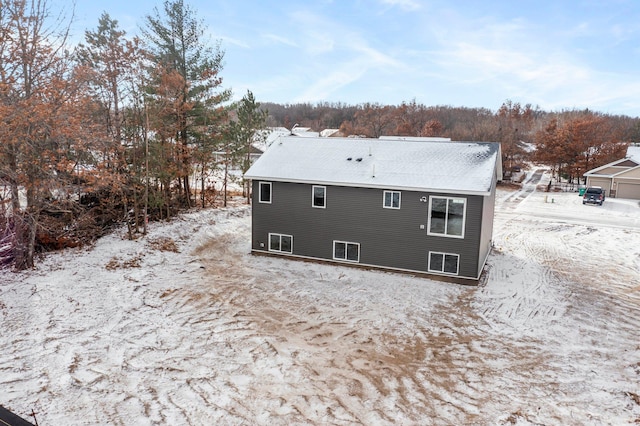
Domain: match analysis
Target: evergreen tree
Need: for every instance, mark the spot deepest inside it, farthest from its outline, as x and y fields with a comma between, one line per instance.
x=245, y=131
x=175, y=39
x=112, y=60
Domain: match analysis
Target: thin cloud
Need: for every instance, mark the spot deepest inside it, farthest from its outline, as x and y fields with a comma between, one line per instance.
x=315, y=35
x=606, y=92
x=279, y=40
x=552, y=80
x=324, y=87
x=407, y=5
x=374, y=57
x=350, y=59
x=319, y=42
x=233, y=41
x=366, y=59
x=516, y=59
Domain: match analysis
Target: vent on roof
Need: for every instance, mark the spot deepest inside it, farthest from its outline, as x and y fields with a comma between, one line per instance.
x=349, y=159
x=359, y=159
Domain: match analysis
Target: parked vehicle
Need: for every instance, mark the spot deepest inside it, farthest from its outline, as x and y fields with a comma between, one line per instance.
x=593, y=194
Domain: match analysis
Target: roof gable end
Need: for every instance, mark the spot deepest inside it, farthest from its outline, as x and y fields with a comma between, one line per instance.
x=623, y=165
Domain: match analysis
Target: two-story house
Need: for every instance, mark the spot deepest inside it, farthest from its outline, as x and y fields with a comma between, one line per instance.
x=407, y=205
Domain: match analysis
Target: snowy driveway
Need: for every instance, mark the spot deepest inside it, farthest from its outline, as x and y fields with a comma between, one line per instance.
x=125, y=332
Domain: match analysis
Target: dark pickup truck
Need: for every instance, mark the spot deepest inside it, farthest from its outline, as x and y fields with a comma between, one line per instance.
x=593, y=194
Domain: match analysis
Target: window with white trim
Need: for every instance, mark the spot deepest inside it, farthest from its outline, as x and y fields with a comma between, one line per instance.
x=264, y=192
x=444, y=263
x=391, y=199
x=318, y=196
x=343, y=250
x=447, y=216
x=281, y=243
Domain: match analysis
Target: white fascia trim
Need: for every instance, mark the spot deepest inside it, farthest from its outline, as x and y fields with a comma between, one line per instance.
x=612, y=164
x=381, y=186
x=618, y=179
x=613, y=175
x=622, y=173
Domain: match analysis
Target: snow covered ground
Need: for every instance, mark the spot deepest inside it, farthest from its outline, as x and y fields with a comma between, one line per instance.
x=131, y=332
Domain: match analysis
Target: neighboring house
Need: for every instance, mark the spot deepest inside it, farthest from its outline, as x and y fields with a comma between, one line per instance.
x=403, y=205
x=261, y=141
x=621, y=178
x=272, y=135
x=304, y=132
x=254, y=153
x=331, y=133
x=275, y=133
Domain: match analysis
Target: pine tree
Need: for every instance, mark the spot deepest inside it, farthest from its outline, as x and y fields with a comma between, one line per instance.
x=245, y=131
x=176, y=41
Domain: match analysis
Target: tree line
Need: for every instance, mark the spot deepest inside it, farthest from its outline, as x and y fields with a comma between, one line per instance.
x=570, y=142
x=113, y=130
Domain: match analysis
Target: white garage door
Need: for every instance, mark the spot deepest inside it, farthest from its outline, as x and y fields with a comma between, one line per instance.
x=603, y=183
x=628, y=190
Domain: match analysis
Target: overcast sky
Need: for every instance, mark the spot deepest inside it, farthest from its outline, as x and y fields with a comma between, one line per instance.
x=557, y=54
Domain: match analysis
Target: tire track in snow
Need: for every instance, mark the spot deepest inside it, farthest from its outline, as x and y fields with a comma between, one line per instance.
x=596, y=319
x=252, y=340
x=395, y=372
x=347, y=369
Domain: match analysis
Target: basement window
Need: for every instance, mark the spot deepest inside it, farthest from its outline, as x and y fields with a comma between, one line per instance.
x=343, y=250
x=445, y=263
x=281, y=243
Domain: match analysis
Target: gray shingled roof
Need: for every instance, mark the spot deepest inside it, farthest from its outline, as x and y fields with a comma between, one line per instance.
x=453, y=167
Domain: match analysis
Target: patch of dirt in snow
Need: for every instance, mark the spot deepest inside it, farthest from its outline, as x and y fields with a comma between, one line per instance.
x=205, y=333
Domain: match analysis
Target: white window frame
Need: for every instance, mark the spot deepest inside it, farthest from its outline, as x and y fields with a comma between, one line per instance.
x=346, y=246
x=446, y=216
x=384, y=199
x=260, y=200
x=430, y=269
x=280, y=250
x=313, y=198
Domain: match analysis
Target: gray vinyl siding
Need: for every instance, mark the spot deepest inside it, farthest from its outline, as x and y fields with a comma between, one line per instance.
x=390, y=238
x=487, y=228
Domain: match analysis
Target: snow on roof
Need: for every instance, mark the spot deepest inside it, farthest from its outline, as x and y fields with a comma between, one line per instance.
x=329, y=133
x=304, y=133
x=417, y=138
x=460, y=167
x=273, y=133
x=633, y=152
